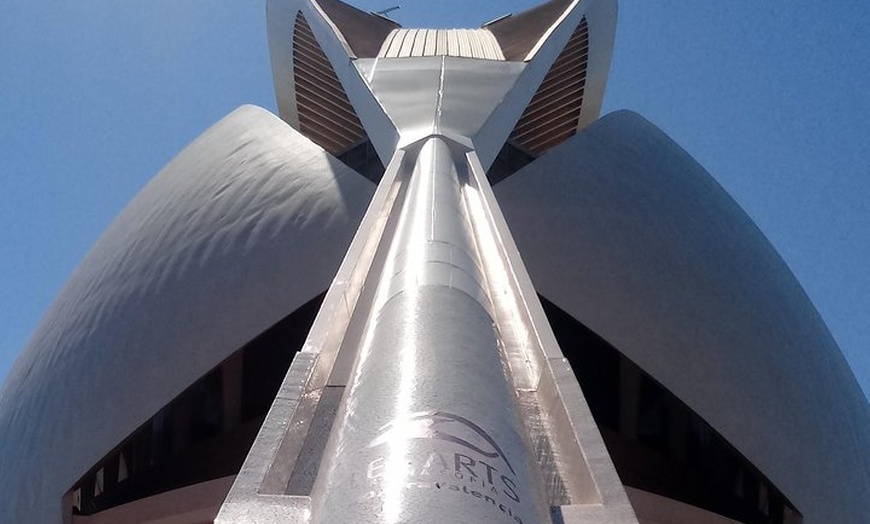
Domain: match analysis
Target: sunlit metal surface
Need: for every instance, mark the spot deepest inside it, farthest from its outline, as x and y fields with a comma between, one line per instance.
x=412, y=442
x=449, y=96
x=431, y=373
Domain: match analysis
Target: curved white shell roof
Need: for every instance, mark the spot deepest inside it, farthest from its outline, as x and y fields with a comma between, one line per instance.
x=618, y=226
x=622, y=229
x=245, y=225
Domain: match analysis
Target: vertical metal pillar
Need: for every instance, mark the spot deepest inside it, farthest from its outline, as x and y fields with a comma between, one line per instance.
x=429, y=429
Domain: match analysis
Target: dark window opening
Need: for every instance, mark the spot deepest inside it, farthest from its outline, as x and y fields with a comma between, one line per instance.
x=205, y=432
x=653, y=416
x=509, y=160
x=657, y=443
x=364, y=160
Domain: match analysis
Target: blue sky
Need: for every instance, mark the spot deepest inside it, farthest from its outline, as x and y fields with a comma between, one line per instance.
x=773, y=98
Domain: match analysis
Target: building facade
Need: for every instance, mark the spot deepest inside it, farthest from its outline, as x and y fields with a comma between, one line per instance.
x=657, y=360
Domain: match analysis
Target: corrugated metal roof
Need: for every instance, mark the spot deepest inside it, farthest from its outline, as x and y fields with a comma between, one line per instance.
x=466, y=43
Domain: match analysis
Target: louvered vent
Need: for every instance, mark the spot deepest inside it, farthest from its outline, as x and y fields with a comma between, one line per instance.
x=554, y=112
x=325, y=113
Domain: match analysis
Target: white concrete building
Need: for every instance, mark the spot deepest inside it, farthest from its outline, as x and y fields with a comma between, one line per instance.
x=661, y=362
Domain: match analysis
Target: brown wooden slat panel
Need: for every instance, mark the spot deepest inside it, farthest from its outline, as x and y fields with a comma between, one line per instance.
x=572, y=85
x=554, y=112
x=326, y=96
x=329, y=117
x=545, y=121
x=571, y=88
x=326, y=116
x=554, y=136
x=315, y=63
x=572, y=61
x=322, y=136
x=316, y=82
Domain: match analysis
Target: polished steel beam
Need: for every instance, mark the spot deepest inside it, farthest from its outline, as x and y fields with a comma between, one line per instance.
x=430, y=429
x=431, y=388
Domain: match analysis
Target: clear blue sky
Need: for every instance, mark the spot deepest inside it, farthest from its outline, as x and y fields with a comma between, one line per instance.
x=773, y=98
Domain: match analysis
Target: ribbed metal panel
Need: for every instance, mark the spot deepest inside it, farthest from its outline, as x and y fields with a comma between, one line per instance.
x=554, y=112
x=465, y=43
x=325, y=113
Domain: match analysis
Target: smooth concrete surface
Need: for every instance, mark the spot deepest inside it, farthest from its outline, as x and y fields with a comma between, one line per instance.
x=245, y=225
x=623, y=230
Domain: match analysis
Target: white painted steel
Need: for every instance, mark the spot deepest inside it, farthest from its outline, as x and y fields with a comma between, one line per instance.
x=206, y=257
x=280, y=17
x=572, y=7
x=280, y=13
x=356, y=75
x=449, y=96
x=655, y=257
x=601, y=19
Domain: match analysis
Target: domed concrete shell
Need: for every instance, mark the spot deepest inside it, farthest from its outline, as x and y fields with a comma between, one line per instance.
x=248, y=223
x=618, y=226
x=626, y=232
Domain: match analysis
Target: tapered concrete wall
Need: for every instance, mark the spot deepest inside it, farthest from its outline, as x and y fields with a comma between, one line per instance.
x=244, y=226
x=622, y=229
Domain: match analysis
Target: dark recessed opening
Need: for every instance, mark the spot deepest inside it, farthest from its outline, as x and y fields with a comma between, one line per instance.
x=657, y=443
x=205, y=432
